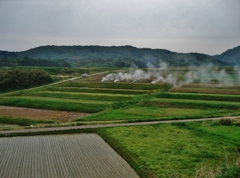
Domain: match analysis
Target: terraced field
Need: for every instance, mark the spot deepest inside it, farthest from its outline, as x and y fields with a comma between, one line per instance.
x=82, y=155
x=140, y=101
x=86, y=95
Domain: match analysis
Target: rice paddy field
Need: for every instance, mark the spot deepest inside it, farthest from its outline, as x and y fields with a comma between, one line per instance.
x=199, y=149
x=127, y=101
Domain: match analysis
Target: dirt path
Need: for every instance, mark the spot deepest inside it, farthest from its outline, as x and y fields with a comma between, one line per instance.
x=107, y=125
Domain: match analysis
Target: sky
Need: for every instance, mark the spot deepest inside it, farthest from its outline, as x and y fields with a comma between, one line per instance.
x=204, y=26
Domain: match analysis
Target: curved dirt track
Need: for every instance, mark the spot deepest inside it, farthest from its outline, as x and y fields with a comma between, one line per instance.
x=61, y=156
x=107, y=125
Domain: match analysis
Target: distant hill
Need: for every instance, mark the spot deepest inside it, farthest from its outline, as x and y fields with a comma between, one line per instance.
x=231, y=56
x=113, y=56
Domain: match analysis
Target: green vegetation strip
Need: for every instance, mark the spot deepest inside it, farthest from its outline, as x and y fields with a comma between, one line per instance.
x=134, y=86
x=81, y=96
x=137, y=113
x=217, y=97
x=56, y=104
x=187, y=103
x=97, y=90
x=207, y=90
x=23, y=121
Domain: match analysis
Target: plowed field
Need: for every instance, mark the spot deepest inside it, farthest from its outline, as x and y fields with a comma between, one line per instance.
x=41, y=114
x=72, y=156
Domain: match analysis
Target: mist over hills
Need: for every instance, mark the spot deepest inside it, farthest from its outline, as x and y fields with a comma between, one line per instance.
x=113, y=56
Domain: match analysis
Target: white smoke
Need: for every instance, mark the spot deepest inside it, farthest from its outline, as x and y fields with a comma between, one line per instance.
x=237, y=73
x=209, y=74
x=205, y=74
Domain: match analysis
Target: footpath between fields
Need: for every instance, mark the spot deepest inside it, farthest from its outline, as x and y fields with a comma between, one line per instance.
x=55, y=129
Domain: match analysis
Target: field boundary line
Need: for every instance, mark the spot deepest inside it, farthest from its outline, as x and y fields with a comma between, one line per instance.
x=42, y=130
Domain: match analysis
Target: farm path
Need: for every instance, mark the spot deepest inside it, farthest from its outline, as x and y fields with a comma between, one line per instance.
x=106, y=125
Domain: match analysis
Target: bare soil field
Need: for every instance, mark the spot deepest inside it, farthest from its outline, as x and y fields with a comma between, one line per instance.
x=39, y=114
x=79, y=155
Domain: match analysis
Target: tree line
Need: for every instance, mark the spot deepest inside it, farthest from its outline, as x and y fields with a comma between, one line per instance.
x=18, y=78
x=26, y=61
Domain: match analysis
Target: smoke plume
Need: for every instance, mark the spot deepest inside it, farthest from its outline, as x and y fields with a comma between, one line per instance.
x=164, y=73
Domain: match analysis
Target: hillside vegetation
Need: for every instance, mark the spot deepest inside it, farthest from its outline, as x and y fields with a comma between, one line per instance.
x=20, y=78
x=231, y=56
x=114, y=56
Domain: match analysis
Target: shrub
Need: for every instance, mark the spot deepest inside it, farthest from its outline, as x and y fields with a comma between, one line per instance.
x=226, y=121
x=19, y=78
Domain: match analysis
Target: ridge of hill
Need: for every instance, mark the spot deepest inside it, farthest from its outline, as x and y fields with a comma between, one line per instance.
x=118, y=56
x=231, y=56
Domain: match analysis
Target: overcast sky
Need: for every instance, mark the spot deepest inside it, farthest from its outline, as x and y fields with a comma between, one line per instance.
x=205, y=26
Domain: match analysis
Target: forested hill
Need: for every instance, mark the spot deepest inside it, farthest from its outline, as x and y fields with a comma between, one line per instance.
x=231, y=56
x=114, y=56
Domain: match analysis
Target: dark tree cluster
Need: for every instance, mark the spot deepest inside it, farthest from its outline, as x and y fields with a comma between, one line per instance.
x=26, y=61
x=17, y=78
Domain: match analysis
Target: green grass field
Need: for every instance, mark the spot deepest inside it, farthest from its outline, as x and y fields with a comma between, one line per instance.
x=179, y=150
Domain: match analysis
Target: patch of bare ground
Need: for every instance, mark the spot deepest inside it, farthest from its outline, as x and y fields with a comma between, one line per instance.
x=39, y=114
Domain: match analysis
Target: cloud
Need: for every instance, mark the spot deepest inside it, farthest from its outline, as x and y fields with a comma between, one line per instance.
x=182, y=26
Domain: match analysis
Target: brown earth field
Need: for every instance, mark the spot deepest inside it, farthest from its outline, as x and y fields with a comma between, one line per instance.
x=39, y=114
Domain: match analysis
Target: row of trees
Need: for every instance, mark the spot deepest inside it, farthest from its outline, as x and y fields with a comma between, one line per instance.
x=17, y=78
x=26, y=61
